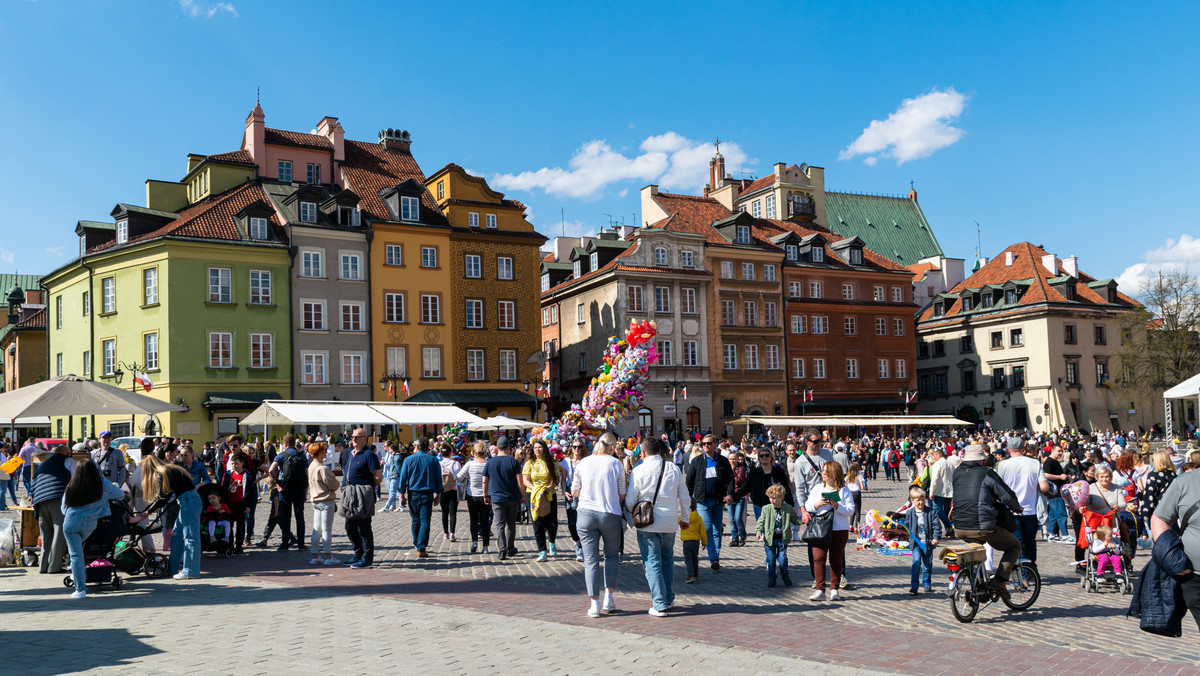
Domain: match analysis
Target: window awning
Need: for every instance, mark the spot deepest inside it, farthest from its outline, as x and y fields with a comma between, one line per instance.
x=228, y=400
x=852, y=421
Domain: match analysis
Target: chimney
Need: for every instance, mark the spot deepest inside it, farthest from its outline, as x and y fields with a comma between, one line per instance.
x=255, y=139
x=719, y=173
x=983, y=260
x=1009, y=257
x=395, y=139
x=712, y=176
x=1071, y=266
x=1050, y=262
x=780, y=167
x=332, y=130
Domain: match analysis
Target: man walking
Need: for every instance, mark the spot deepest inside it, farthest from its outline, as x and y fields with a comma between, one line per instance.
x=941, y=487
x=48, y=487
x=1024, y=476
x=110, y=461
x=808, y=476
x=502, y=494
x=420, y=488
x=290, y=470
x=362, y=473
x=709, y=477
x=1056, y=509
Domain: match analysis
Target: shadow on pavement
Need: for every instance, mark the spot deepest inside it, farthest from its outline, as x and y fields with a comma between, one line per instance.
x=57, y=651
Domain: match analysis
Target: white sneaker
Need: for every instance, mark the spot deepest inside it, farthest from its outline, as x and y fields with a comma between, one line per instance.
x=182, y=576
x=817, y=595
x=332, y=562
x=314, y=561
x=834, y=595
x=593, y=611
x=610, y=605
x=78, y=595
x=657, y=613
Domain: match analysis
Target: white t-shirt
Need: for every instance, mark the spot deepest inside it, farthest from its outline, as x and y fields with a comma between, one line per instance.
x=598, y=483
x=1023, y=474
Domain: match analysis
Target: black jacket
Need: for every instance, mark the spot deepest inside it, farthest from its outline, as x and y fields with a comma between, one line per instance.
x=1158, y=599
x=695, y=478
x=978, y=491
x=757, y=484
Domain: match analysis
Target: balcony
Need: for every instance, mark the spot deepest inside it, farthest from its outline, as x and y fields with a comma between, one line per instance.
x=801, y=207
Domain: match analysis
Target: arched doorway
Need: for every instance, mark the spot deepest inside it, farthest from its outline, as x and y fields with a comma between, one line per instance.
x=756, y=429
x=646, y=421
x=693, y=420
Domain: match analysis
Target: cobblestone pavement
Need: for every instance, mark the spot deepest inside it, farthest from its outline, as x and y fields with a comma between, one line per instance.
x=883, y=627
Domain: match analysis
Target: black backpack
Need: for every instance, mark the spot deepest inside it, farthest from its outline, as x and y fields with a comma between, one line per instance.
x=292, y=473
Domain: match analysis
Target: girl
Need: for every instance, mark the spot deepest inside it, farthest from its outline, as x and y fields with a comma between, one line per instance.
x=322, y=491
x=477, y=510
x=273, y=519
x=449, y=502
x=1107, y=548
x=237, y=488
x=857, y=484
x=539, y=478
x=83, y=503
x=391, y=474
x=163, y=482
x=736, y=508
x=216, y=515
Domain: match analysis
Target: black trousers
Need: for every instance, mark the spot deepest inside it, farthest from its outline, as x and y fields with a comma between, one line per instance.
x=237, y=515
x=481, y=529
x=1191, y=595
x=546, y=526
x=362, y=537
x=449, y=505
x=289, y=505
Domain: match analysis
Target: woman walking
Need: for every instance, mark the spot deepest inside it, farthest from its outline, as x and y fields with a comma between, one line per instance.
x=758, y=480
x=735, y=505
x=539, y=478
x=832, y=552
x=83, y=504
x=449, y=497
x=322, y=493
x=577, y=451
x=166, y=481
x=477, y=510
x=599, y=484
x=391, y=475
x=658, y=480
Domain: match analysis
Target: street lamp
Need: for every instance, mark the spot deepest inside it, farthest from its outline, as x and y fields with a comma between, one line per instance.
x=392, y=379
x=906, y=393
x=537, y=383
x=804, y=392
x=136, y=368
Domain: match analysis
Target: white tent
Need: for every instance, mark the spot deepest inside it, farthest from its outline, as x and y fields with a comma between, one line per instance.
x=501, y=422
x=276, y=412
x=1188, y=389
x=852, y=421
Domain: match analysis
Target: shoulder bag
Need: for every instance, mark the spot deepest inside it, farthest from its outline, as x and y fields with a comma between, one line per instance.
x=819, y=530
x=643, y=511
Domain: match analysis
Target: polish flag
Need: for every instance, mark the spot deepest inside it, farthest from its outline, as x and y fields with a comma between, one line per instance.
x=910, y=397
x=143, y=380
x=685, y=392
x=391, y=388
x=404, y=384
x=808, y=395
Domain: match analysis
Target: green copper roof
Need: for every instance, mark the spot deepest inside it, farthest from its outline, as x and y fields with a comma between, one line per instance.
x=894, y=227
x=474, y=397
x=26, y=282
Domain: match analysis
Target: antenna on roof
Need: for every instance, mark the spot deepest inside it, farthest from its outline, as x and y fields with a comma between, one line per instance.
x=610, y=219
x=258, y=96
x=562, y=215
x=978, y=239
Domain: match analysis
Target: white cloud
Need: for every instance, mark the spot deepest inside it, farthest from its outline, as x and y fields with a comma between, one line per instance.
x=919, y=126
x=56, y=250
x=7, y=256
x=1181, y=254
x=195, y=9
x=670, y=160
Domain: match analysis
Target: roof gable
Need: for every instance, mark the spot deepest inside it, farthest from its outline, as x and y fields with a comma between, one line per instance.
x=892, y=226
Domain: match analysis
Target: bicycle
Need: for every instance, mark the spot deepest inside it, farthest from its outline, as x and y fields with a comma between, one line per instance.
x=968, y=583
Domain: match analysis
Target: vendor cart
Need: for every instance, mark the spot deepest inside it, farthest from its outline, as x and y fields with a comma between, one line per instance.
x=28, y=534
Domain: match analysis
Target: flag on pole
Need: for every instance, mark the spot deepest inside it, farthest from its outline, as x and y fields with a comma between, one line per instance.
x=391, y=388
x=808, y=395
x=910, y=397
x=404, y=384
x=673, y=393
x=143, y=380
x=685, y=392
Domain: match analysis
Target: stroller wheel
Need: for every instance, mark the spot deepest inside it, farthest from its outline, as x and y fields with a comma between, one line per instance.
x=229, y=552
x=117, y=582
x=68, y=582
x=29, y=558
x=156, y=565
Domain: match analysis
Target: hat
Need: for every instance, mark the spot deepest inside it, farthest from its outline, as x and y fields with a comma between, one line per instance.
x=79, y=447
x=105, y=433
x=1014, y=443
x=973, y=453
x=502, y=442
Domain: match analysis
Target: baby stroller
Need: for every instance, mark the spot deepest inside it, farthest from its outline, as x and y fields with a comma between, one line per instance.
x=98, y=548
x=131, y=558
x=222, y=542
x=1092, y=581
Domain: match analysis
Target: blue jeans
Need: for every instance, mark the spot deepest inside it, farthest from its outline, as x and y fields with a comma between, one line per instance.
x=737, y=519
x=776, y=558
x=420, y=511
x=1056, y=517
x=710, y=513
x=1027, y=530
x=942, y=507
x=75, y=531
x=658, y=556
x=185, y=539
x=6, y=485
x=26, y=475
x=393, y=493
x=922, y=566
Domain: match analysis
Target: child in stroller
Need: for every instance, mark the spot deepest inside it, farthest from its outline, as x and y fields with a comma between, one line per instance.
x=131, y=554
x=215, y=530
x=1103, y=534
x=98, y=549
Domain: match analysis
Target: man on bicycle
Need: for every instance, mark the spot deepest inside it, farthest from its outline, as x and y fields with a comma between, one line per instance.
x=979, y=495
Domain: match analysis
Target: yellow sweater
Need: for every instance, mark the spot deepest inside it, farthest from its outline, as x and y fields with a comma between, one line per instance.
x=694, y=530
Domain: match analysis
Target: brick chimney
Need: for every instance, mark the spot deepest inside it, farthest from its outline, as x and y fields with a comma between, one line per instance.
x=255, y=139
x=330, y=128
x=1050, y=262
x=395, y=139
x=1071, y=265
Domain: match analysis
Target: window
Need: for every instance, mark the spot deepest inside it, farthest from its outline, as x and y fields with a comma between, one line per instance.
x=998, y=379
x=850, y=326
x=262, y=350
x=313, y=173
x=285, y=171
x=313, y=368
x=1072, y=373
x=508, y=364
x=441, y=190
x=818, y=367
x=410, y=208
x=431, y=362
x=393, y=254
x=794, y=289
x=475, y=369
x=220, y=350
x=727, y=407
x=308, y=212
x=851, y=368
x=352, y=368
x=1018, y=376
x=770, y=314
x=1101, y=339
x=312, y=313
x=108, y=295
x=922, y=350
x=756, y=208
x=939, y=348
x=352, y=267
x=431, y=309
x=752, y=357
x=939, y=383
x=1102, y=373
x=260, y=287
x=814, y=289
x=583, y=365
x=633, y=298
x=797, y=367
x=770, y=206
x=87, y=303
x=743, y=234
x=856, y=257
x=393, y=307
x=553, y=314
x=847, y=292
x=880, y=294
x=687, y=301
x=666, y=355
x=545, y=283
x=594, y=261
x=799, y=323
x=987, y=300
x=545, y=316
x=884, y=369
x=579, y=313
x=87, y=362
x=966, y=304
x=662, y=299
x=58, y=364
x=473, y=219
x=897, y=327
x=312, y=264
x=748, y=271
x=730, y=352
x=122, y=232
x=1016, y=337
x=966, y=344
x=772, y=355
x=352, y=317
x=220, y=285
x=397, y=360
x=660, y=256
x=726, y=269
x=897, y=294
x=818, y=254
x=1069, y=334
x=820, y=324
x=793, y=252
x=880, y=326
x=1010, y=296
x=474, y=269
x=691, y=353
x=749, y=313
x=686, y=260
x=109, y=351
x=504, y=267
x=58, y=310
x=150, y=351
x=490, y=219
x=429, y=257
x=728, y=313
x=506, y=317
x=768, y=273
x=968, y=380
x=997, y=340
x=901, y=368
x=349, y=216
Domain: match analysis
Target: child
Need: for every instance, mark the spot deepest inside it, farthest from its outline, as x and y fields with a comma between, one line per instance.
x=273, y=492
x=924, y=531
x=1107, y=548
x=237, y=488
x=216, y=514
x=693, y=538
x=856, y=482
x=775, y=527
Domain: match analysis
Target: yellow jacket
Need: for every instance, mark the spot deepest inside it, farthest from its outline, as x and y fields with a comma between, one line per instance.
x=694, y=530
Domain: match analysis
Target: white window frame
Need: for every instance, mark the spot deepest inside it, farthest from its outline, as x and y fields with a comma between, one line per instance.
x=770, y=314
x=429, y=257
x=748, y=272
x=726, y=269
x=260, y=287
x=897, y=326
x=473, y=266
x=351, y=315
x=579, y=316
x=897, y=294
x=768, y=272
x=410, y=208
x=880, y=294
x=122, y=232
x=731, y=356
x=476, y=367
x=393, y=301
x=431, y=362
x=797, y=367
x=257, y=228
x=150, y=350
x=820, y=324
x=222, y=343
x=393, y=254
x=756, y=208
x=314, y=367
x=799, y=323
x=662, y=299
x=108, y=295
x=280, y=167
x=691, y=353
x=770, y=206
x=847, y=291
x=352, y=270
x=818, y=254
x=686, y=259
x=353, y=368
x=220, y=288
x=506, y=315
x=634, y=300
x=884, y=369
x=431, y=308
x=752, y=363
x=881, y=326
x=308, y=212
x=149, y=286
x=666, y=353
x=490, y=220
x=687, y=300
x=474, y=313
x=473, y=219
x=901, y=368
x=815, y=289
x=818, y=367
x=312, y=263
x=749, y=313
x=508, y=364
x=262, y=350
x=743, y=234
x=312, y=170
x=87, y=362
x=108, y=354
x=397, y=360
x=58, y=364
x=771, y=354
x=660, y=256
x=58, y=312
x=852, y=368
x=317, y=311
x=850, y=326
x=504, y=268
x=729, y=313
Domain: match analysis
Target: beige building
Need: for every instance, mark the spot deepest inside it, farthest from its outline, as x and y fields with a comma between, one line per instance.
x=1027, y=341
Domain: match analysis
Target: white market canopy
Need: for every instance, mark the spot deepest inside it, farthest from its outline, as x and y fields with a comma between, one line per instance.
x=852, y=421
x=501, y=422
x=1188, y=389
x=276, y=412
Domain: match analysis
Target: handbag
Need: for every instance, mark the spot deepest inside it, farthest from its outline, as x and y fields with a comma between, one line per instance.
x=819, y=530
x=643, y=511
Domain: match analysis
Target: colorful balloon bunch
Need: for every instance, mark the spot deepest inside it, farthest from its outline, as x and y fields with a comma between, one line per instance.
x=617, y=391
x=455, y=435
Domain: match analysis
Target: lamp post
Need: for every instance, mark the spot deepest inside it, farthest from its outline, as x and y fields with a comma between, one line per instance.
x=136, y=368
x=393, y=378
x=804, y=392
x=906, y=393
x=537, y=383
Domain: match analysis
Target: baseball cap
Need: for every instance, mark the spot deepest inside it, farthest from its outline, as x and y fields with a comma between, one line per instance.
x=105, y=433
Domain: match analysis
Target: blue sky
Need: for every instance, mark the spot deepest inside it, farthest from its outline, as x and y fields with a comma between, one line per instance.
x=1071, y=126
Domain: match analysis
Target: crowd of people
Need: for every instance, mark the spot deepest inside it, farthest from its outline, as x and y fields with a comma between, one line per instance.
x=1004, y=489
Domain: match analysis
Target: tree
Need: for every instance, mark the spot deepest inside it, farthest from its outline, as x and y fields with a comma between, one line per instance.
x=1160, y=346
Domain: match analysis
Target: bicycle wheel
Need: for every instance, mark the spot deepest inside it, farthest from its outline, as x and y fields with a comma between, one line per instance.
x=1023, y=587
x=962, y=600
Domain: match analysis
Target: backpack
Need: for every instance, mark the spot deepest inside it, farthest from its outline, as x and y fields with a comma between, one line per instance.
x=291, y=471
x=892, y=457
x=448, y=481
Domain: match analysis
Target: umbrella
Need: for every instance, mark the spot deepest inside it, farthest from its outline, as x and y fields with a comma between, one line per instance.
x=501, y=423
x=72, y=395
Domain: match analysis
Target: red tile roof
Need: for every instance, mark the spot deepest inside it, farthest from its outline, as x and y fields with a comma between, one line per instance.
x=695, y=215
x=237, y=157
x=920, y=269
x=548, y=258
x=758, y=184
x=615, y=262
x=283, y=137
x=370, y=168
x=37, y=320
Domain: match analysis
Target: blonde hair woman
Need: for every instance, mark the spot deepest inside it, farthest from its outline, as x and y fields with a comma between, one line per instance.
x=162, y=481
x=1156, y=484
x=599, y=486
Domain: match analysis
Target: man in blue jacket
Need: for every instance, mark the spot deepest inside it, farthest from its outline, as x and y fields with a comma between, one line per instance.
x=1180, y=504
x=420, y=490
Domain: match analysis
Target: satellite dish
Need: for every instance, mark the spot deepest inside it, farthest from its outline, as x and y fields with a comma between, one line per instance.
x=803, y=168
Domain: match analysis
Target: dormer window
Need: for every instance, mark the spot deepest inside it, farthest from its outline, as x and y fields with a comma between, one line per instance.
x=685, y=259
x=258, y=228
x=966, y=304
x=793, y=252
x=308, y=212
x=818, y=254
x=938, y=310
x=1112, y=294
x=349, y=216
x=1010, y=296
x=660, y=256
x=743, y=234
x=122, y=232
x=1070, y=291
x=987, y=300
x=595, y=260
x=578, y=269
x=856, y=256
x=410, y=208
x=545, y=283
